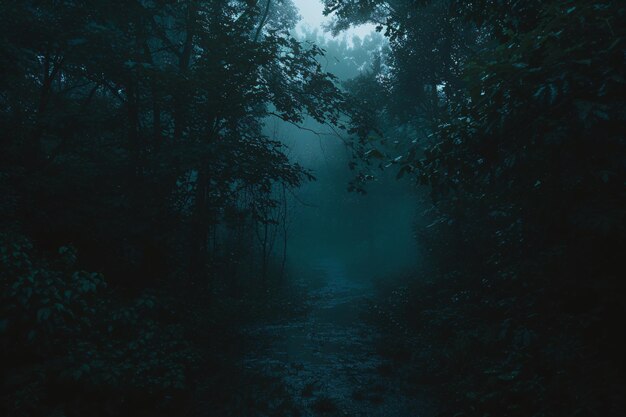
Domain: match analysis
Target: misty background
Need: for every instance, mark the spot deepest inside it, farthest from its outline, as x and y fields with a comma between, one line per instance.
x=372, y=234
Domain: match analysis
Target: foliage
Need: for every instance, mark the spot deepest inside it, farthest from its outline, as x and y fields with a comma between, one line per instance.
x=134, y=132
x=70, y=347
x=521, y=144
x=151, y=122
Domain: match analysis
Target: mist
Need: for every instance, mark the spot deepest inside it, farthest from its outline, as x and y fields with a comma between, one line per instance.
x=373, y=235
x=304, y=208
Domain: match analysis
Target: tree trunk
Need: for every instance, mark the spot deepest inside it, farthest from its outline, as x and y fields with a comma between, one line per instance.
x=51, y=69
x=180, y=112
x=132, y=106
x=200, y=228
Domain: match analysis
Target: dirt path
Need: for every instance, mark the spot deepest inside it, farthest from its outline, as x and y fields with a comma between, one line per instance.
x=327, y=359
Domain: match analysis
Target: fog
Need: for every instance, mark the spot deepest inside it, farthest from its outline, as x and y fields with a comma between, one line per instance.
x=311, y=13
x=372, y=235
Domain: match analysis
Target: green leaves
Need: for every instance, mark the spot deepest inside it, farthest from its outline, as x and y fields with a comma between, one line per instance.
x=43, y=314
x=64, y=318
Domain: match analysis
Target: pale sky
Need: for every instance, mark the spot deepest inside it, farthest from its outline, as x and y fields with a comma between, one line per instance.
x=312, y=16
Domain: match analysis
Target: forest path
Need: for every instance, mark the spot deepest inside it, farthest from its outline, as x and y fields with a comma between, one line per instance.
x=327, y=359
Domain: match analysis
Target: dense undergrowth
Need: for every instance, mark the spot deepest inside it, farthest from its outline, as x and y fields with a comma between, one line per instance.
x=486, y=346
x=72, y=346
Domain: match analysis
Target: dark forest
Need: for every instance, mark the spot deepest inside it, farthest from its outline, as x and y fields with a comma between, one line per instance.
x=209, y=209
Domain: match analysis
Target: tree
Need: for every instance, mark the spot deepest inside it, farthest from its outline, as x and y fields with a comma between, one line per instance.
x=133, y=132
x=521, y=145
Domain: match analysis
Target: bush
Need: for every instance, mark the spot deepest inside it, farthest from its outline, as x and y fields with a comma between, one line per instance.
x=72, y=347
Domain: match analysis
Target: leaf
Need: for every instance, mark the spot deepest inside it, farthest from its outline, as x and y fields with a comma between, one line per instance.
x=601, y=114
x=553, y=93
x=404, y=170
x=31, y=335
x=374, y=153
x=43, y=314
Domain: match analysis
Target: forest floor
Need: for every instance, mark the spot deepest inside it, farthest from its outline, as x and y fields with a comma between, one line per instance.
x=327, y=361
